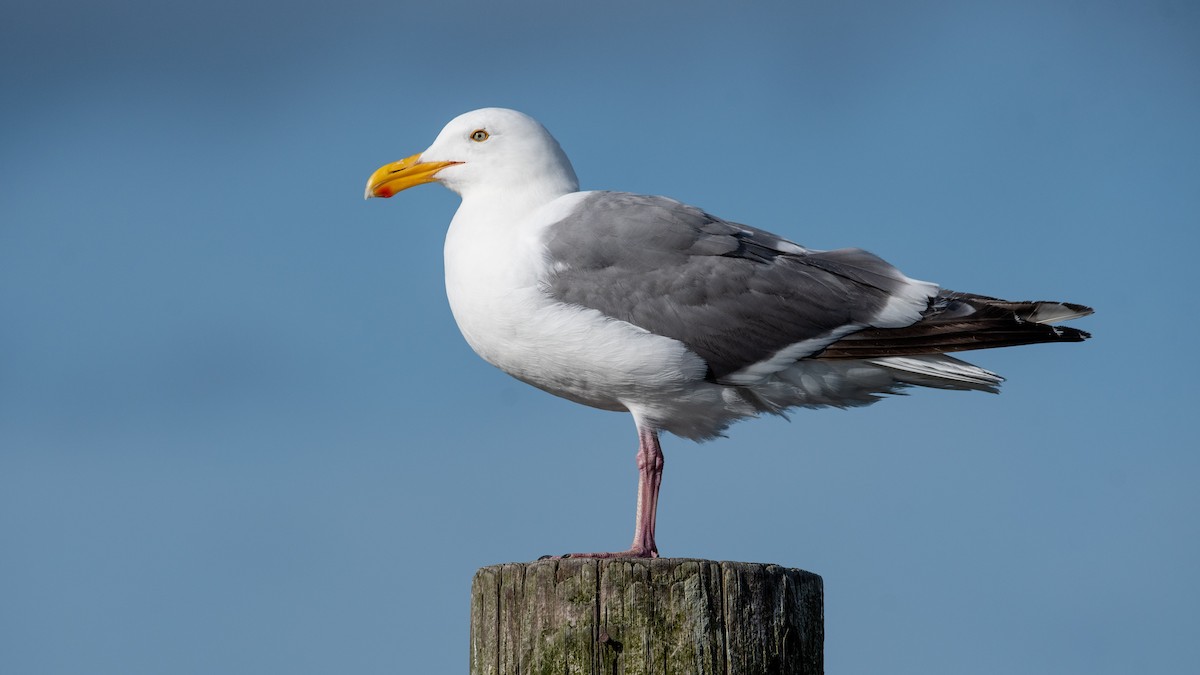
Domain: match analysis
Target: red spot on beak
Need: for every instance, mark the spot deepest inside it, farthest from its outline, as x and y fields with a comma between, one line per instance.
x=384, y=191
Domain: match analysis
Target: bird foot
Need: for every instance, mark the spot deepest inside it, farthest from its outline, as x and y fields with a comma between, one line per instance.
x=631, y=553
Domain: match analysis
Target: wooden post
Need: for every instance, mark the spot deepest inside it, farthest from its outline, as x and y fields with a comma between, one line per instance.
x=670, y=616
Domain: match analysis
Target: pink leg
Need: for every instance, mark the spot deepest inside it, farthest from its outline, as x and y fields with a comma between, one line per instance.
x=650, y=468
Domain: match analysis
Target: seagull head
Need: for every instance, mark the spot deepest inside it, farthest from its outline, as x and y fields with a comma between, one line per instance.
x=484, y=151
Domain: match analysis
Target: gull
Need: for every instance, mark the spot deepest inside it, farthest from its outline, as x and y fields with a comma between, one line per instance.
x=686, y=321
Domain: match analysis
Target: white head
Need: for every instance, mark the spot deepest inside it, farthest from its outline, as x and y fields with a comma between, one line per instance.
x=486, y=150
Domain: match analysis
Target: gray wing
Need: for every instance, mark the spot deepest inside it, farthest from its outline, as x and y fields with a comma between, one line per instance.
x=733, y=294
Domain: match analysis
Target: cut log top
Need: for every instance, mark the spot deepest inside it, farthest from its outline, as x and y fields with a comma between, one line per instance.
x=631, y=617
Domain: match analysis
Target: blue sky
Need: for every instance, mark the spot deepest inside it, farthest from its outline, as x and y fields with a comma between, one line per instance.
x=239, y=431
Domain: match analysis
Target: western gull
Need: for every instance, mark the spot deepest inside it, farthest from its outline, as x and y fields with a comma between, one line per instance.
x=688, y=322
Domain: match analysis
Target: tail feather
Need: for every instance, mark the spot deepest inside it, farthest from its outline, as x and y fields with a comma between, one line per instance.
x=957, y=322
x=940, y=371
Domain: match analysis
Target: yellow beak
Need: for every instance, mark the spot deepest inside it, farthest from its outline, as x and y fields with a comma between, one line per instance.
x=408, y=172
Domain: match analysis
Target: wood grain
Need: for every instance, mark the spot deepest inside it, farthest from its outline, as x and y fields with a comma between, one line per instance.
x=670, y=616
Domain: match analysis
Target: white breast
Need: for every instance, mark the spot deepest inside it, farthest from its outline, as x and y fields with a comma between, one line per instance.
x=494, y=263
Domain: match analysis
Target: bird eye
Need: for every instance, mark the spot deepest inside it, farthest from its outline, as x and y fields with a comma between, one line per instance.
x=479, y=135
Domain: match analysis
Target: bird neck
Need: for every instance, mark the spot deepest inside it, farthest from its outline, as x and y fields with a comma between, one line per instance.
x=510, y=203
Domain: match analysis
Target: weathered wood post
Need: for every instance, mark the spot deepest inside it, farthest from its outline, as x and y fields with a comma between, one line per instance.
x=670, y=616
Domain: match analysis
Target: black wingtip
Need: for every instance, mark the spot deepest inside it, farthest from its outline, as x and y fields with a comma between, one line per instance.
x=1068, y=334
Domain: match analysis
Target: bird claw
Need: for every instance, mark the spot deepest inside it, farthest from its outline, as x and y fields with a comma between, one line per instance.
x=631, y=553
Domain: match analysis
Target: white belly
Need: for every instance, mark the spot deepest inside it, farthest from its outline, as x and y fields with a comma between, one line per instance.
x=492, y=282
x=569, y=351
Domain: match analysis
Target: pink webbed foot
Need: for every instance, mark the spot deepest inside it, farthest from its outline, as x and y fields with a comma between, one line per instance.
x=631, y=553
